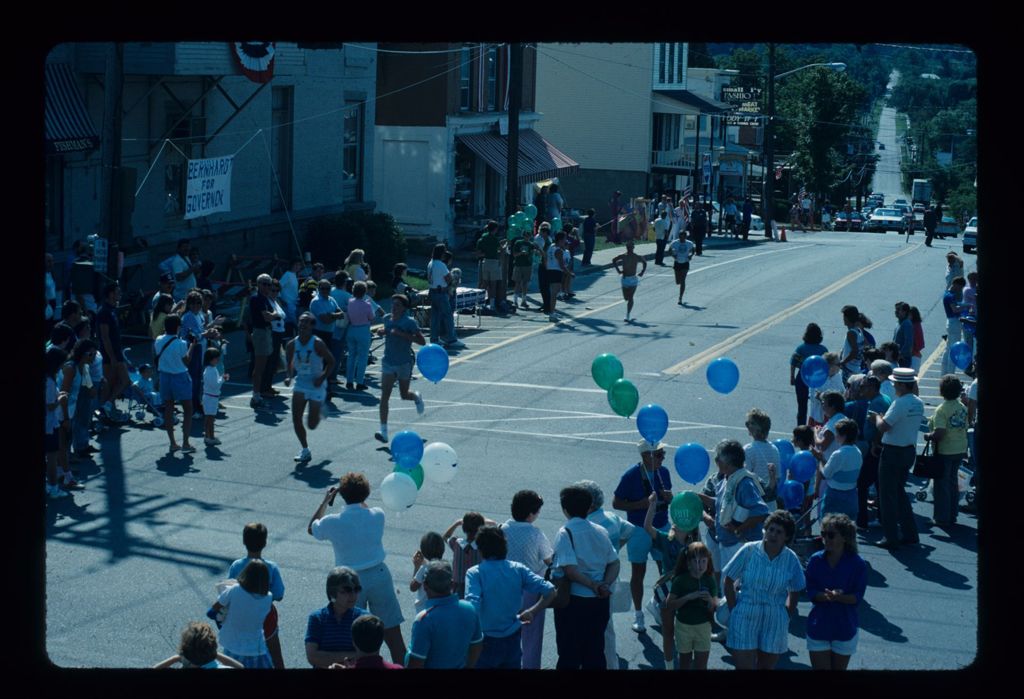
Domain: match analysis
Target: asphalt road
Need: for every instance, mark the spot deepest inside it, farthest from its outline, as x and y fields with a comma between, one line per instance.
x=137, y=554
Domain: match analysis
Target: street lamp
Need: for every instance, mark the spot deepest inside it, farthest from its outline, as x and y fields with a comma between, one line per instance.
x=767, y=200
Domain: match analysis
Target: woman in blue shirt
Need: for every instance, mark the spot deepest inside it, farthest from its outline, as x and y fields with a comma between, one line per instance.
x=836, y=580
x=811, y=345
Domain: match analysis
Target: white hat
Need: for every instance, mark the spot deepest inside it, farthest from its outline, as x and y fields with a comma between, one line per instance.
x=903, y=375
x=644, y=446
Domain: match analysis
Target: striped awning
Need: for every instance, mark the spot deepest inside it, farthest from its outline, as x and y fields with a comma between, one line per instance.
x=68, y=126
x=538, y=159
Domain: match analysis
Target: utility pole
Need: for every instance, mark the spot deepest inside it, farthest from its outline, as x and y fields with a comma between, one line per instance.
x=697, y=189
x=514, y=103
x=110, y=156
x=768, y=196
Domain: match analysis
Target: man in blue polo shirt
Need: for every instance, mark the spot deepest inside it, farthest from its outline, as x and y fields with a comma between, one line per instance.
x=446, y=635
x=329, y=630
x=495, y=588
x=631, y=495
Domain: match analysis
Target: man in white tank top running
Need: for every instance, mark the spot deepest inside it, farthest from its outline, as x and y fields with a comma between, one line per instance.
x=311, y=362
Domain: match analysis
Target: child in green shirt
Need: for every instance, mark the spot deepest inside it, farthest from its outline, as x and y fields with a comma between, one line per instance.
x=693, y=598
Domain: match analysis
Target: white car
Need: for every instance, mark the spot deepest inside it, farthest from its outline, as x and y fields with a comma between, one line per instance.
x=971, y=235
x=756, y=223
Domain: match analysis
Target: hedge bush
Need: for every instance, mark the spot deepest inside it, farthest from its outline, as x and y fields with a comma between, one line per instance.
x=330, y=239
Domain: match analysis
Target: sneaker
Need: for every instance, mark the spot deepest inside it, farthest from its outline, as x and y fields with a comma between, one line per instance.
x=188, y=449
x=638, y=625
x=350, y=386
x=419, y=403
x=211, y=441
x=458, y=344
x=381, y=437
x=71, y=484
x=55, y=492
x=304, y=456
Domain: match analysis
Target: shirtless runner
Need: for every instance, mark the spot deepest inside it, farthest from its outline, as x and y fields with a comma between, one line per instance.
x=625, y=264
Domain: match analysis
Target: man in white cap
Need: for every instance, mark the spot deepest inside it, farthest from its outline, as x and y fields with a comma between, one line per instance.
x=631, y=495
x=897, y=433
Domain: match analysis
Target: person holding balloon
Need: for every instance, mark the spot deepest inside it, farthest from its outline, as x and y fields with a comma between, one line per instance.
x=954, y=330
x=671, y=546
x=772, y=580
x=692, y=600
x=357, y=535
x=631, y=495
x=811, y=346
x=838, y=476
x=833, y=382
x=738, y=503
x=400, y=331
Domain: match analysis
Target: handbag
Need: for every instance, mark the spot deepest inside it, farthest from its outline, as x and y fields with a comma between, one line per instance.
x=562, y=584
x=928, y=465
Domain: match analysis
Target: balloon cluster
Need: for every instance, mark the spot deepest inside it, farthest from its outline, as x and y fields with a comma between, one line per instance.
x=522, y=220
x=414, y=463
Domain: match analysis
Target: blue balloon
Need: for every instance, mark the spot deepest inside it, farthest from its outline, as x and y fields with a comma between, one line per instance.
x=723, y=375
x=692, y=462
x=652, y=421
x=814, y=371
x=792, y=494
x=432, y=361
x=407, y=449
x=960, y=353
x=802, y=466
x=786, y=452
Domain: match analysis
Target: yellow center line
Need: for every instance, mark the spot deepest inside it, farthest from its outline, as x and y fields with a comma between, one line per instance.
x=695, y=362
x=551, y=326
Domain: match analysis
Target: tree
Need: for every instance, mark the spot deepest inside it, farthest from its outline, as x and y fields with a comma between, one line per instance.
x=700, y=56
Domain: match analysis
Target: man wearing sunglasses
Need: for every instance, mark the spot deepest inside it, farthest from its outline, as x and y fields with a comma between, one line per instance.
x=631, y=496
x=329, y=630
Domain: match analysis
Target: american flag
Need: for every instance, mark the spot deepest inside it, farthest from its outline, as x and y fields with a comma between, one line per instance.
x=684, y=203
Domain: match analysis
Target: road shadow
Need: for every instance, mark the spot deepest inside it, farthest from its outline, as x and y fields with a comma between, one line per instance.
x=214, y=453
x=915, y=559
x=875, y=578
x=653, y=653
x=874, y=622
x=363, y=398
x=67, y=509
x=798, y=626
x=787, y=661
x=957, y=534
x=314, y=475
x=692, y=307
x=176, y=465
x=270, y=414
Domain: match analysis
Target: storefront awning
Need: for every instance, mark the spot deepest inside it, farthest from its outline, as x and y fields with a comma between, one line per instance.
x=68, y=126
x=538, y=159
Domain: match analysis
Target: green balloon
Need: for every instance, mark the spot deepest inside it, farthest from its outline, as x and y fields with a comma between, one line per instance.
x=531, y=211
x=606, y=370
x=686, y=510
x=623, y=397
x=415, y=473
x=521, y=219
x=513, y=222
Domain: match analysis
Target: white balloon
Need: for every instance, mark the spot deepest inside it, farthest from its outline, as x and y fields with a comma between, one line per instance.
x=398, y=491
x=440, y=463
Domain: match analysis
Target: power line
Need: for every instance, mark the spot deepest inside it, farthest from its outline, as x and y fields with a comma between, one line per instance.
x=415, y=53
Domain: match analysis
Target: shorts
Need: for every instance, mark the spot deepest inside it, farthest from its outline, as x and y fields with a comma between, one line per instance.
x=490, y=271
x=211, y=404
x=175, y=387
x=312, y=393
x=681, y=269
x=838, y=647
x=763, y=627
x=262, y=342
x=378, y=595
x=521, y=275
x=51, y=442
x=402, y=371
x=640, y=545
x=693, y=638
x=630, y=282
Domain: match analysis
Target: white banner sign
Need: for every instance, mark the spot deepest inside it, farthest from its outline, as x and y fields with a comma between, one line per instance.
x=209, y=186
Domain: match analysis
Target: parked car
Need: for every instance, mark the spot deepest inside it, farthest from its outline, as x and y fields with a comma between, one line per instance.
x=756, y=223
x=947, y=227
x=919, y=209
x=842, y=221
x=971, y=235
x=901, y=201
x=886, y=219
x=856, y=221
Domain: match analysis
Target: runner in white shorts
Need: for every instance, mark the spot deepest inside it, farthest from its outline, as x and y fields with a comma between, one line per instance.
x=309, y=359
x=626, y=264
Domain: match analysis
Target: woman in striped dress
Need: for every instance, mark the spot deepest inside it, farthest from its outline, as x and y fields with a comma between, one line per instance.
x=771, y=579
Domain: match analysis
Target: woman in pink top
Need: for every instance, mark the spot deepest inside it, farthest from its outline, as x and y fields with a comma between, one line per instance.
x=915, y=319
x=360, y=315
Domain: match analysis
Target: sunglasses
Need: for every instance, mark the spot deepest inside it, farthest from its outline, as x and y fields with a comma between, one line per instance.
x=350, y=590
x=828, y=535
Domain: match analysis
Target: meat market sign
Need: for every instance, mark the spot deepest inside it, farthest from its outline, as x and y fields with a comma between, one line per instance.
x=747, y=105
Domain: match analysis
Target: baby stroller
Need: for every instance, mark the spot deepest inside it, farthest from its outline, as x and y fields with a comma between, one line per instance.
x=806, y=545
x=141, y=401
x=964, y=482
